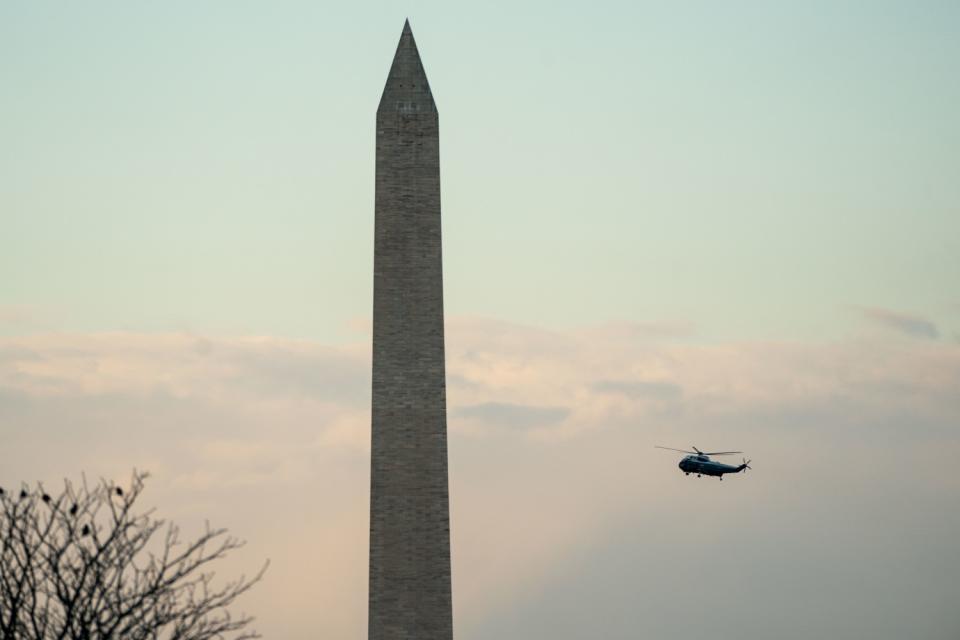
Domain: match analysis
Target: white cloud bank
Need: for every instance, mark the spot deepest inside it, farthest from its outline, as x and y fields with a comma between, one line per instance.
x=566, y=522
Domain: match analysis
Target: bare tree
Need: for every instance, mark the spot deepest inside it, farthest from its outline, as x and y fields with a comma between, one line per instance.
x=84, y=565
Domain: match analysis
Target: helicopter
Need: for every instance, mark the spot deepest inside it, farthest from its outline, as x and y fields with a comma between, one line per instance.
x=699, y=462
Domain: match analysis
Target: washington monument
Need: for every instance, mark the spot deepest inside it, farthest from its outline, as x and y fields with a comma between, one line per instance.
x=410, y=594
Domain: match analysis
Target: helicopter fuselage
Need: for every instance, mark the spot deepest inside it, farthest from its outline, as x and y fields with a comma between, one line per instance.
x=701, y=464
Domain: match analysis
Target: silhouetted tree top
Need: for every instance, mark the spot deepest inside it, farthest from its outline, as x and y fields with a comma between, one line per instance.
x=84, y=565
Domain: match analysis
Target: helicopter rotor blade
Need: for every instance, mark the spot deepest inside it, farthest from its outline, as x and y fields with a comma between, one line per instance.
x=699, y=452
x=656, y=446
x=721, y=453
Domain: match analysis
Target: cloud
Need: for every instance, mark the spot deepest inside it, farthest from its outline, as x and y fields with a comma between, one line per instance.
x=512, y=416
x=643, y=330
x=905, y=323
x=14, y=353
x=16, y=314
x=558, y=494
x=336, y=375
x=640, y=389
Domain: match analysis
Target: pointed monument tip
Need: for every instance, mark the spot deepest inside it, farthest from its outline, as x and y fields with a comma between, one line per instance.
x=407, y=89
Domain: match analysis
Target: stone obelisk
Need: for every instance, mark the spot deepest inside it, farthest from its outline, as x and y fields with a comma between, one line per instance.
x=410, y=596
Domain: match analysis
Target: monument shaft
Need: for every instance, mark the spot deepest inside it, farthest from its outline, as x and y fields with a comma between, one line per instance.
x=410, y=593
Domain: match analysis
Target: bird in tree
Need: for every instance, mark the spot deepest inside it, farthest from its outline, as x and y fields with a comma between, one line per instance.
x=46, y=498
x=119, y=491
x=85, y=531
x=23, y=493
x=1, y=491
x=73, y=509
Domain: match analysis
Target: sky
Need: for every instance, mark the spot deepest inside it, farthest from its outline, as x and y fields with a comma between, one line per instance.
x=735, y=227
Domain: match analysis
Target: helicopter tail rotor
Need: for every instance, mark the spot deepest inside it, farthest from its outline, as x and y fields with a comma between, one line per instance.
x=745, y=465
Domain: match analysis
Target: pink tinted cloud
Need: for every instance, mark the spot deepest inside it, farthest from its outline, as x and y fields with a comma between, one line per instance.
x=551, y=440
x=905, y=323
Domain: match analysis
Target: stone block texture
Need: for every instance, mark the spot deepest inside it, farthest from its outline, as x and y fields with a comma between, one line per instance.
x=410, y=593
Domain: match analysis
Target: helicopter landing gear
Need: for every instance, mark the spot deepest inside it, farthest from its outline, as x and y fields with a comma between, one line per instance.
x=686, y=473
x=698, y=475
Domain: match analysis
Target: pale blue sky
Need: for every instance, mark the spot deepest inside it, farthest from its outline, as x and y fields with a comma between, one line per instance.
x=752, y=169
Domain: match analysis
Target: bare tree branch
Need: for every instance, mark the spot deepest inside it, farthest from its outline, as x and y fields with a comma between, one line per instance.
x=84, y=565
